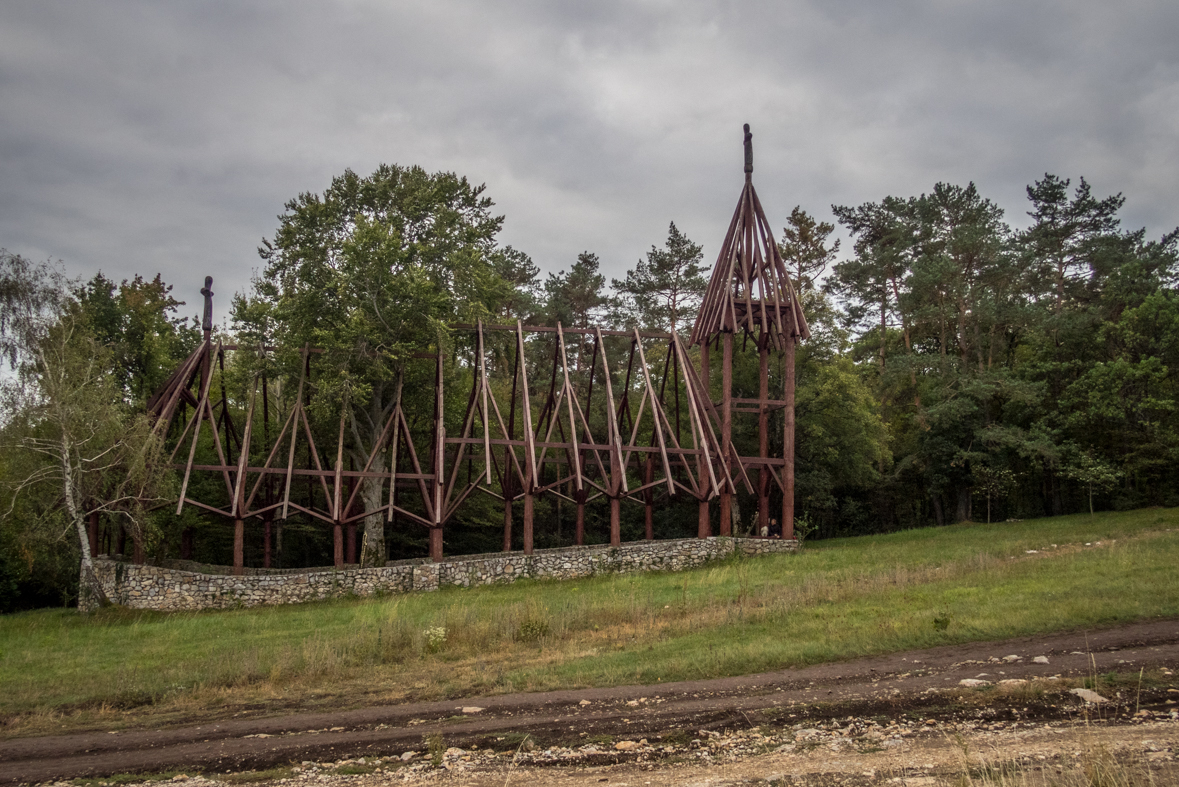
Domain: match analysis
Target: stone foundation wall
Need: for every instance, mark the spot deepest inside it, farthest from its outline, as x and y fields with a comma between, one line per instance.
x=177, y=586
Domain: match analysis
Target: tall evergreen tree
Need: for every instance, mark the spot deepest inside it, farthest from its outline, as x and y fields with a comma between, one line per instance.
x=576, y=298
x=805, y=249
x=663, y=291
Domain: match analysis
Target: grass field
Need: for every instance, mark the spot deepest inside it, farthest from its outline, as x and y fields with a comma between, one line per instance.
x=836, y=600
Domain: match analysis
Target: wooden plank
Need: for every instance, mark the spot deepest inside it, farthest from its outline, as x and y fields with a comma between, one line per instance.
x=507, y=430
x=295, y=412
x=243, y=458
x=178, y=384
x=529, y=437
x=393, y=458
x=706, y=320
x=655, y=418
x=634, y=432
x=412, y=516
x=269, y=459
x=199, y=504
x=547, y=442
x=613, y=437
x=575, y=454
x=466, y=326
x=777, y=271
x=468, y=425
x=695, y=419
x=439, y=467
x=484, y=384
x=327, y=495
x=196, y=436
x=706, y=401
x=337, y=512
x=417, y=468
x=217, y=443
x=313, y=513
x=310, y=473
x=364, y=474
x=462, y=498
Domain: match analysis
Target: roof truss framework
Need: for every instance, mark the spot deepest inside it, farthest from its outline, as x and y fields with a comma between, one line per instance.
x=598, y=436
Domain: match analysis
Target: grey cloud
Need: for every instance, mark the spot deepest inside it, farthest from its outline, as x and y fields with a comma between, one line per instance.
x=142, y=136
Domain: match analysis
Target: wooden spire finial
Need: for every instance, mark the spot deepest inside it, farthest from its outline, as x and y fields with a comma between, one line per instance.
x=748, y=151
x=207, y=291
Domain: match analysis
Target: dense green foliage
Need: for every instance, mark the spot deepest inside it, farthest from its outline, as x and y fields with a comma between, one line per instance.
x=1027, y=371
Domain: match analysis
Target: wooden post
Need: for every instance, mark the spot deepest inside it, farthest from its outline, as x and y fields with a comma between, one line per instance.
x=704, y=521
x=763, y=423
x=336, y=501
x=530, y=472
x=528, y=503
x=436, y=544
x=507, y=486
x=788, y=442
x=239, y=544
x=615, y=521
x=509, y=480
x=649, y=498
x=579, y=529
x=439, y=469
x=726, y=496
x=266, y=524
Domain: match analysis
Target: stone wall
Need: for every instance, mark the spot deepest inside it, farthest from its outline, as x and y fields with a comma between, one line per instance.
x=189, y=586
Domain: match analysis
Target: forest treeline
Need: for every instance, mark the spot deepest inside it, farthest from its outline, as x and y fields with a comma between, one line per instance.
x=959, y=368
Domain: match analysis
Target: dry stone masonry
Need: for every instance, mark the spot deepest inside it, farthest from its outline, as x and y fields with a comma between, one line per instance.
x=184, y=585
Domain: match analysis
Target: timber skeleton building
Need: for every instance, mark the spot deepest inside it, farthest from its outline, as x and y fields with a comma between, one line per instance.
x=684, y=447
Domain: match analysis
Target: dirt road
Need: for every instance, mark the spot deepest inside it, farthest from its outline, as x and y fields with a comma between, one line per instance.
x=880, y=714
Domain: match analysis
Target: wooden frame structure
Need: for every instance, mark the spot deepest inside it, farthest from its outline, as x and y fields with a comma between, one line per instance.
x=653, y=431
x=750, y=291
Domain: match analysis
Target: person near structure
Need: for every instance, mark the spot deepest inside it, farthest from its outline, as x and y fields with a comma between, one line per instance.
x=775, y=529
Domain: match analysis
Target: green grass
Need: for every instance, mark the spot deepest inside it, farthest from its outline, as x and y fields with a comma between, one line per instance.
x=836, y=600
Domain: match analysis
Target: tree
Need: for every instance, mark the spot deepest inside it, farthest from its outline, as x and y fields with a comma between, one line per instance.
x=1066, y=234
x=372, y=271
x=1093, y=473
x=78, y=442
x=575, y=298
x=804, y=248
x=993, y=482
x=136, y=320
x=663, y=291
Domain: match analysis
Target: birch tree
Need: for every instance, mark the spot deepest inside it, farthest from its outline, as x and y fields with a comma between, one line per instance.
x=81, y=450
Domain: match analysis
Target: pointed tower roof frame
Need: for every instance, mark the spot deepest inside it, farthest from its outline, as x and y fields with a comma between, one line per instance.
x=750, y=289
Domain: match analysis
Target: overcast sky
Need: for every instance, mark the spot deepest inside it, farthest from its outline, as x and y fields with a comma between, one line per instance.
x=145, y=137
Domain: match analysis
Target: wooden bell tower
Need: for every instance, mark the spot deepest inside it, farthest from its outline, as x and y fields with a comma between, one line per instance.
x=750, y=292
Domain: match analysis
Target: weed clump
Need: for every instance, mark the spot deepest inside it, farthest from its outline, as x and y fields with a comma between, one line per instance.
x=436, y=748
x=435, y=638
x=532, y=630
